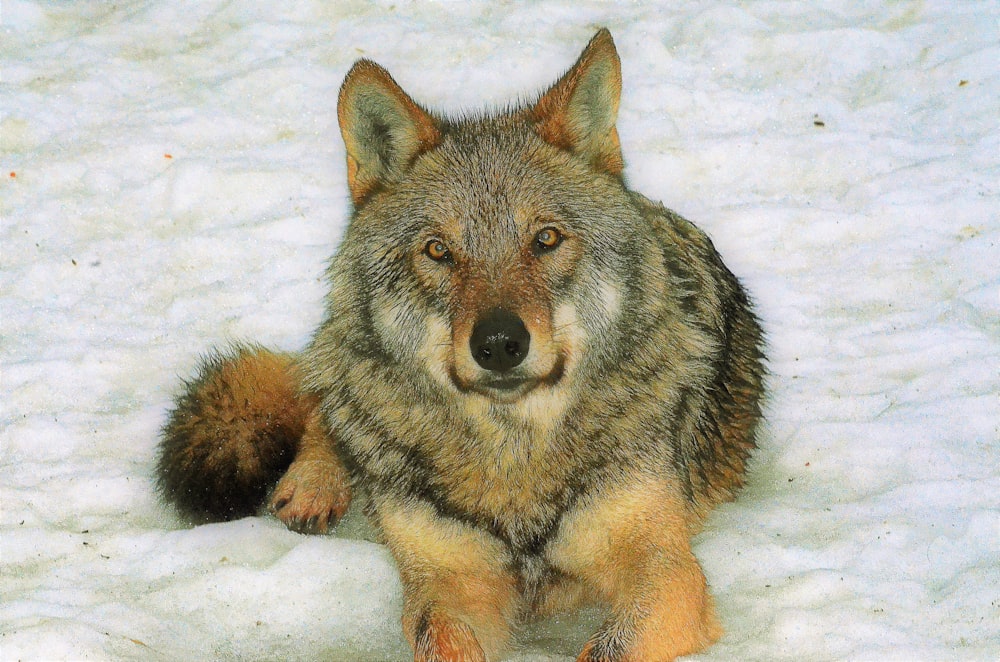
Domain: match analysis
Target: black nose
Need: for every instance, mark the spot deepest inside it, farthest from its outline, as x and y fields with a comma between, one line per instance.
x=499, y=341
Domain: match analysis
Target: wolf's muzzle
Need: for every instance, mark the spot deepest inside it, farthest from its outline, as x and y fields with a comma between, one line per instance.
x=499, y=341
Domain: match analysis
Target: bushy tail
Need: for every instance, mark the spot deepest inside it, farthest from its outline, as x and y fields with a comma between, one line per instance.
x=232, y=434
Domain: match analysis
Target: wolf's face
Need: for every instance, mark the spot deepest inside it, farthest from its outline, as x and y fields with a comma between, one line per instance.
x=493, y=254
x=497, y=274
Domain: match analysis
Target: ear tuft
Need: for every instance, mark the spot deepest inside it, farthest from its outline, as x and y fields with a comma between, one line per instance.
x=578, y=113
x=383, y=128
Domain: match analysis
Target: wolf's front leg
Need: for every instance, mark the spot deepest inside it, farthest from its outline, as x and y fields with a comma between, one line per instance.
x=315, y=491
x=458, y=598
x=631, y=545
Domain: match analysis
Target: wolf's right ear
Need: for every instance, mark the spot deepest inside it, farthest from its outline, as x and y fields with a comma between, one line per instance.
x=383, y=128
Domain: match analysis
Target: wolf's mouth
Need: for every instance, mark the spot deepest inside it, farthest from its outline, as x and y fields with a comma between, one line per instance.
x=509, y=388
x=509, y=384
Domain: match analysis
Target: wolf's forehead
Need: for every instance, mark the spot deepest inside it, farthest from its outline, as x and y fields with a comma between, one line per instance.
x=492, y=166
x=480, y=187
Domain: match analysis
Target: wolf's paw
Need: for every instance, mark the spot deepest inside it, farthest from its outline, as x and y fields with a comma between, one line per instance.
x=622, y=643
x=312, y=496
x=444, y=640
x=591, y=653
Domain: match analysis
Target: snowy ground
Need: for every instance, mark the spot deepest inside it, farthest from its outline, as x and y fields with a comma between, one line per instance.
x=173, y=177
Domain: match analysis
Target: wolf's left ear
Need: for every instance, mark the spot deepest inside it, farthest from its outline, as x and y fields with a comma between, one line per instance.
x=578, y=113
x=383, y=128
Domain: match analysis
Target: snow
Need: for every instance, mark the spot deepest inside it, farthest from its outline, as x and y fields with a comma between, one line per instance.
x=173, y=178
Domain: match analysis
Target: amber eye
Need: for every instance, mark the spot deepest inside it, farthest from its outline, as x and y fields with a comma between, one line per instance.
x=437, y=251
x=548, y=238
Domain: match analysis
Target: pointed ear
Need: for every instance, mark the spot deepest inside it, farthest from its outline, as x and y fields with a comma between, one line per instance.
x=578, y=113
x=383, y=128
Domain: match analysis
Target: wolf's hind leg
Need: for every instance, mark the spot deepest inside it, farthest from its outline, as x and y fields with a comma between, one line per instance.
x=315, y=491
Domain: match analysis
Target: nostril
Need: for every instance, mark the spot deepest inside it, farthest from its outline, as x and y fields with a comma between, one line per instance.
x=499, y=341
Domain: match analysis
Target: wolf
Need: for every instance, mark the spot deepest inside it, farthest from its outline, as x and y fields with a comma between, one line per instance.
x=541, y=380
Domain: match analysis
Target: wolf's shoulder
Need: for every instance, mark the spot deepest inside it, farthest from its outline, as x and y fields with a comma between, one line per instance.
x=665, y=220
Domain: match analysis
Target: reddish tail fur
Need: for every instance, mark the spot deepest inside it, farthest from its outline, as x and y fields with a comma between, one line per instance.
x=232, y=434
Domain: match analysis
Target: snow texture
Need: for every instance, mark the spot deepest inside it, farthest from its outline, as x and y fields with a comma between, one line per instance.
x=173, y=178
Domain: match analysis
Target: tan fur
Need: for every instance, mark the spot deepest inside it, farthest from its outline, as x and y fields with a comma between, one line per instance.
x=442, y=639
x=641, y=563
x=450, y=575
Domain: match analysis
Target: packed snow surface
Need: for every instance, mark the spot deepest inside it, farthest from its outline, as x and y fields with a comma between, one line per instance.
x=173, y=178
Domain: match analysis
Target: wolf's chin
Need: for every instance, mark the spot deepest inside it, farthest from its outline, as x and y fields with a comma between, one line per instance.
x=506, y=391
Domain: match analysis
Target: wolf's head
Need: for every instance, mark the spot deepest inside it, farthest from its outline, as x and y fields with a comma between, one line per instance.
x=496, y=254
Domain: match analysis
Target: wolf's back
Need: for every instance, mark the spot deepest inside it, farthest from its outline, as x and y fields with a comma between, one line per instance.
x=232, y=434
